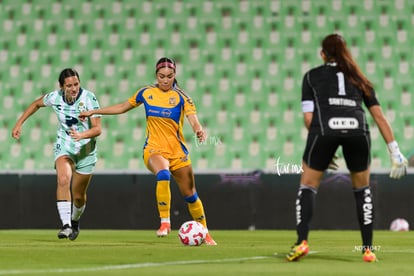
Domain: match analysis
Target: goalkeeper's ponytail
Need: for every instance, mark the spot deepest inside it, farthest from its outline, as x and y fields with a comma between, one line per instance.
x=335, y=49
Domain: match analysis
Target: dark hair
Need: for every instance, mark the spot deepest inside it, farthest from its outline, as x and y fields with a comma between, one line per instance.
x=335, y=49
x=66, y=73
x=165, y=62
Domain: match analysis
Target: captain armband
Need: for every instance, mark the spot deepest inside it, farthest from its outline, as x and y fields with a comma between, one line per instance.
x=308, y=106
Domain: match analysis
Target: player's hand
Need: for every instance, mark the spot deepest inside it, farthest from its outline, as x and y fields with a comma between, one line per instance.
x=16, y=132
x=84, y=114
x=399, y=165
x=75, y=135
x=333, y=165
x=398, y=161
x=201, y=135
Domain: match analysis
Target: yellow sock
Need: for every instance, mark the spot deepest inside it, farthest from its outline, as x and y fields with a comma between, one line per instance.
x=197, y=211
x=163, y=194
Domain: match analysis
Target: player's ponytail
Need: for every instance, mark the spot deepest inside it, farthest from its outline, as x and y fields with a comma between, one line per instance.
x=335, y=49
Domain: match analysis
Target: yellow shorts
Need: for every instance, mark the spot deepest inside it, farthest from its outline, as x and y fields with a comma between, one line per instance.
x=176, y=162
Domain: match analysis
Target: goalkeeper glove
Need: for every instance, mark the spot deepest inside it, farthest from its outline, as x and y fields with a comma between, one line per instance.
x=333, y=165
x=398, y=161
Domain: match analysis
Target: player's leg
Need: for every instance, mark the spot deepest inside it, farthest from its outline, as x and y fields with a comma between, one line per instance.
x=310, y=180
x=80, y=184
x=318, y=153
x=159, y=166
x=81, y=178
x=364, y=205
x=304, y=210
x=365, y=212
x=64, y=166
x=357, y=157
x=184, y=177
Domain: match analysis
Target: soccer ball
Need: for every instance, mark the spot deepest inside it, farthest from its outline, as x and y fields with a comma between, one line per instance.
x=399, y=225
x=192, y=233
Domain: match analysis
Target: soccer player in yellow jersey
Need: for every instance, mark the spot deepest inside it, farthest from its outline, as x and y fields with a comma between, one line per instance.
x=165, y=151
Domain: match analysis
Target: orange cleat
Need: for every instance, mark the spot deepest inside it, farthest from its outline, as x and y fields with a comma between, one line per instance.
x=209, y=240
x=164, y=230
x=298, y=251
x=369, y=256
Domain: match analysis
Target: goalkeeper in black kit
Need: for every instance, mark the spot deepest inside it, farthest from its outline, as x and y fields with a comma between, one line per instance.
x=332, y=99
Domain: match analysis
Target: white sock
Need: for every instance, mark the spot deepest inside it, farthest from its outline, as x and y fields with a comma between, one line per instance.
x=64, y=210
x=165, y=220
x=77, y=212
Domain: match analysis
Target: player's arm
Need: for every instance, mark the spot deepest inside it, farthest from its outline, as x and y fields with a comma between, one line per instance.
x=109, y=110
x=94, y=131
x=399, y=162
x=197, y=128
x=307, y=119
x=382, y=123
x=307, y=108
x=308, y=104
x=31, y=109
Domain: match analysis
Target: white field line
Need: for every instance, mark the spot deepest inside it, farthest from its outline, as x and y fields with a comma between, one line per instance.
x=125, y=266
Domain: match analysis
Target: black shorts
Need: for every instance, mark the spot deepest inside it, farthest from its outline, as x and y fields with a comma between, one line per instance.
x=320, y=150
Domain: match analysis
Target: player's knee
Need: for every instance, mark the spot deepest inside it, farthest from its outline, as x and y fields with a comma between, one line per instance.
x=191, y=199
x=63, y=180
x=163, y=175
x=79, y=201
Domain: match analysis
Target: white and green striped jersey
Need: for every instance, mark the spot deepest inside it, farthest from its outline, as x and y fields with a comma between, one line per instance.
x=68, y=117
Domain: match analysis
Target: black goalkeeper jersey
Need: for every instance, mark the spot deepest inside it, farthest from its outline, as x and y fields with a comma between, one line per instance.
x=338, y=107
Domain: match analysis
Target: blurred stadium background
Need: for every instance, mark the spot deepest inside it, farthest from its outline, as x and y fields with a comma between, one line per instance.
x=241, y=61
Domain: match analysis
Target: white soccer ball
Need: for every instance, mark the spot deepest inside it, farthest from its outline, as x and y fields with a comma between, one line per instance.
x=399, y=225
x=192, y=233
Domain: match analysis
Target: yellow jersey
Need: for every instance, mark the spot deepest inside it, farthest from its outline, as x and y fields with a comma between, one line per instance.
x=165, y=116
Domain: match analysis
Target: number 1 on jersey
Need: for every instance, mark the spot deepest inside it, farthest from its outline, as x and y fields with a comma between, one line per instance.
x=341, y=84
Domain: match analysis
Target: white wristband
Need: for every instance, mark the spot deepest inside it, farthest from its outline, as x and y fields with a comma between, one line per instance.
x=393, y=147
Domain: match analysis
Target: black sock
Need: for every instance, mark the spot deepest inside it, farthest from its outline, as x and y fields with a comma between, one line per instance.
x=304, y=212
x=365, y=213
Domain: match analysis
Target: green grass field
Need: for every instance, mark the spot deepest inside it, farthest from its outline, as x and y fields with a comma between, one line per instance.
x=140, y=252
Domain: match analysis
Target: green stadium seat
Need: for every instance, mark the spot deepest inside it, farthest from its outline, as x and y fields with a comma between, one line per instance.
x=201, y=162
x=221, y=127
x=245, y=55
x=405, y=101
x=220, y=158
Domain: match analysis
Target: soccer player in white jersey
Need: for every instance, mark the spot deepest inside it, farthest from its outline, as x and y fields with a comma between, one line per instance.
x=75, y=147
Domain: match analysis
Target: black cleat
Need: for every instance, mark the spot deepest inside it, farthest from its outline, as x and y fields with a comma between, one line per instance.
x=75, y=230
